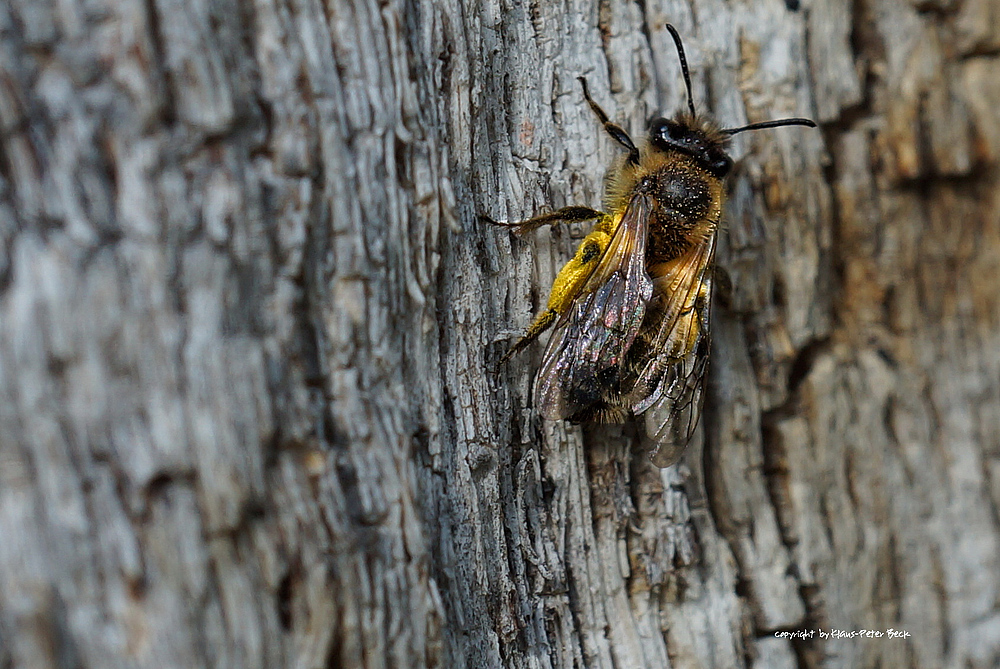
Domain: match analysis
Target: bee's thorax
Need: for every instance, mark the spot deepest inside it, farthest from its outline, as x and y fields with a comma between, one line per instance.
x=686, y=204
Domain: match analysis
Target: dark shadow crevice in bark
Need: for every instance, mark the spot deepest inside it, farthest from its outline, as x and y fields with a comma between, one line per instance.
x=165, y=76
x=809, y=652
x=802, y=364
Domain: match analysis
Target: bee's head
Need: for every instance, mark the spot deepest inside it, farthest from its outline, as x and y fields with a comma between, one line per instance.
x=682, y=137
x=694, y=136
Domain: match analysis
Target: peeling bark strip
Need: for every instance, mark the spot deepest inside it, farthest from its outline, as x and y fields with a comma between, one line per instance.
x=247, y=318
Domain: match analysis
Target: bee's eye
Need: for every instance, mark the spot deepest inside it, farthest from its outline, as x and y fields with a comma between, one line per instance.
x=668, y=133
x=660, y=128
x=719, y=163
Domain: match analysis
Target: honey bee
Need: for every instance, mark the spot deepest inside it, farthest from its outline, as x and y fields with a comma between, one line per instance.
x=632, y=308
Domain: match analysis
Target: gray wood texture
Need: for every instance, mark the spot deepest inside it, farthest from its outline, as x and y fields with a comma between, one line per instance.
x=249, y=323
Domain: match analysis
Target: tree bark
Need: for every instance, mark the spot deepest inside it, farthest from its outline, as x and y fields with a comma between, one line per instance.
x=250, y=414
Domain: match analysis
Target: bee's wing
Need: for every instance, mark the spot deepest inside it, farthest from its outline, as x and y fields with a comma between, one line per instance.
x=591, y=338
x=669, y=388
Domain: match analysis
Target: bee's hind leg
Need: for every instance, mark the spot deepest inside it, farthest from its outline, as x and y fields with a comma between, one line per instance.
x=566, y=287
x=541, y=323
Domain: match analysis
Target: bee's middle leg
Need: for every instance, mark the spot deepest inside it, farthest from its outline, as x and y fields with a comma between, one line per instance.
x=573, y=214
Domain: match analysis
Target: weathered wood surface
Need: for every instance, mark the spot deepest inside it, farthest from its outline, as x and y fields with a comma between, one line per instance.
x=248, y=325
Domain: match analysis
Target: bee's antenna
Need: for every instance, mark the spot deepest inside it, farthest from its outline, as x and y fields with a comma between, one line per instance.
x=684, y=65
x=771, y=124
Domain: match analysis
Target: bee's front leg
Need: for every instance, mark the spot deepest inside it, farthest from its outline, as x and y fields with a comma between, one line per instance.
x=616, y=131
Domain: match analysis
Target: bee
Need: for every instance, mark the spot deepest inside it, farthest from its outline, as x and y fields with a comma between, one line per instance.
x=632, y=308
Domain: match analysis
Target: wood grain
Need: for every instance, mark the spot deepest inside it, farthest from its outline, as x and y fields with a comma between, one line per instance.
x=250, y=414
